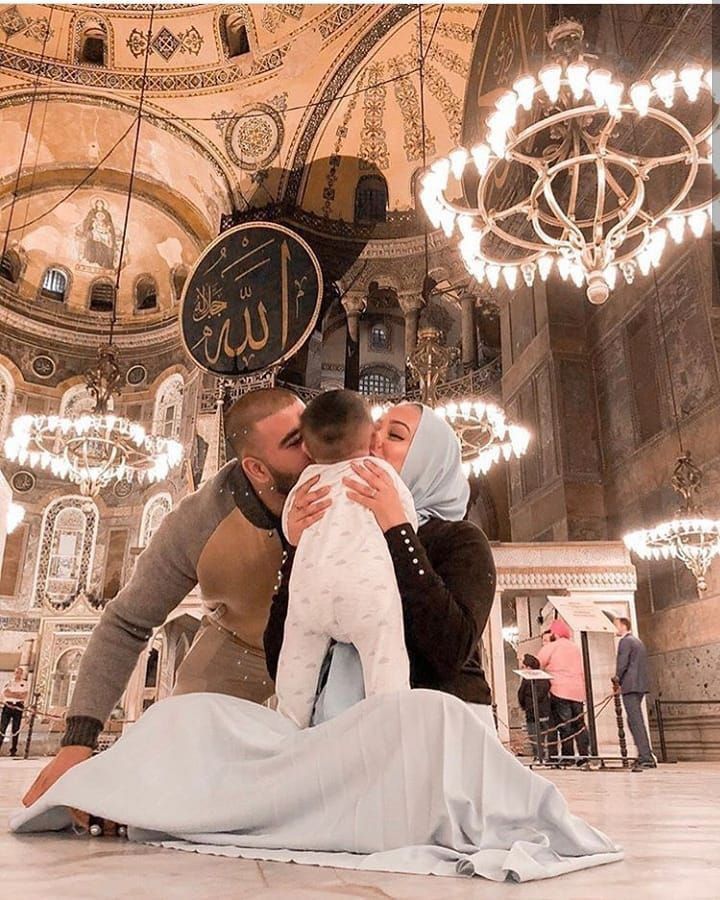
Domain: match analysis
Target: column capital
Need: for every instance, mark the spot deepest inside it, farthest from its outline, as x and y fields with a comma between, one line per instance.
x=354, y=304
x=410, y=303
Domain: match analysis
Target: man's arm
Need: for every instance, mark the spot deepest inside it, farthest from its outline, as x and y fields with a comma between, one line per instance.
x=623, y=659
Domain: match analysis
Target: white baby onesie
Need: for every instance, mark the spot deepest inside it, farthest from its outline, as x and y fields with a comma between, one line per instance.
x=342, y=587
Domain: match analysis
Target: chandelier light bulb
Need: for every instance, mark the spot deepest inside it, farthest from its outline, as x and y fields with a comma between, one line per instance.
x=644, y=261
x=577, y=73
x=477, y=270
x=465, y=224
x=640, y=94
x=676, y=227
x=656, y=245
x=510, y=274
x=545, y=264
x=598, y=81
x=628, y=270
x=691, y=80
x=15, y=515
x=697, y=222
x=577, y=274
x=613, y=98
x=441, y=168
x=481, y=157
x=550, y=77
x=493, y=274
x=447, y=222
x=610, y=276
x=564, y=267
x=507, y=104
x=664, y=84
x=458, y=159
x=524, y=87
x=528, y=272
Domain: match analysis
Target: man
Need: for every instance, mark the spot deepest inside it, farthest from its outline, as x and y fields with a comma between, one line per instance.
x=223, y=537
x=14, y=697
x=632, y=673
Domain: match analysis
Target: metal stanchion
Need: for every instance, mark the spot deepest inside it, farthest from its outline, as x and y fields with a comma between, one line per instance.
x=661, y=730
x=619, y=721
x=31, y=725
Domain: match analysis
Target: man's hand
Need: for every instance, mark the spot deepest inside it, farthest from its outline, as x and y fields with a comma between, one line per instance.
x=66, y=758
x=307, y=508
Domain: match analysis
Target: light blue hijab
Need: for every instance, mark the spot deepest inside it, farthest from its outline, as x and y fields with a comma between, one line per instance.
x=433, y=473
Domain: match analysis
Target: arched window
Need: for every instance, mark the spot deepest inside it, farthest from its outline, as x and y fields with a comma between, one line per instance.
x=371, y=199
x=7, y=392
x=379, y=337
x=10, y=266
x=382, y=381
x=154, y=512
x=93, y=45
x=146, y=293
x=54, y=285
x=167, y=414
x=64, y=677
x=102, y=296
x=78, y=400
x=179, y=277
x=235, y=35
x=67, y=547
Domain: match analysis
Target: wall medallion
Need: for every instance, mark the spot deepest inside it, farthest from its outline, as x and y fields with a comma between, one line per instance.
x=254, y=138
x=43, y=366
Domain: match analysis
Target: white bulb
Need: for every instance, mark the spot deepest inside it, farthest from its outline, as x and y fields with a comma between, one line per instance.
x=528, y=271
x=510, y=274
x=477, y=270
x=498, y=142
x=610, y=276
x=613, y=98
x=524, y=87
x=432, y=207
x=458, y=159
x=577, y=73
x=493, y=274
x=481, y=157
x=447, y=222
x=628, y=270
x=465, y=224
x=507, y=104
x=577, y=274
x=640, y=94
x=598, y=82
x=676, y=227
x=644, y=261
x=545, y=264
x=656, y=245
x=550, y=79
x=697, y=222
x=691, y=80
x=664, y=84
x=564, y=267
x=441, y=168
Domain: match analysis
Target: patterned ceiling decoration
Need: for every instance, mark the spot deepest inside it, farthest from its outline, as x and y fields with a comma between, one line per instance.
x=13, y=22
x=373, y=146
x=165, y=42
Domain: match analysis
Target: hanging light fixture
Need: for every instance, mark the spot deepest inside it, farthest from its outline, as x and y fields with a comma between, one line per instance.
x=484, y=434
x=95, y=449
x=578, y=189
x=15, y=516
x=690, y=536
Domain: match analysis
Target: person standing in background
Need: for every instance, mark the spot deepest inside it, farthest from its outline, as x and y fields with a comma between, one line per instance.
x=562, y=659
x=542, y=691
x=14, y=696
x=632, y=673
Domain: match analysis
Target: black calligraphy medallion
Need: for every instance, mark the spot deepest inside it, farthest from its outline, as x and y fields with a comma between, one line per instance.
x=251, y=300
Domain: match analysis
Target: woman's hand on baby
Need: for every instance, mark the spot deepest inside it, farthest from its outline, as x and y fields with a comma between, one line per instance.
x=377, y=493
x=307, y=508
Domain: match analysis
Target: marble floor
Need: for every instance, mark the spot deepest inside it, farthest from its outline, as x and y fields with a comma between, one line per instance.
x=668, y=820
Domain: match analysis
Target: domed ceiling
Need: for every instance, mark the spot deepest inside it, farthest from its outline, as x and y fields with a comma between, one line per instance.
x=319, y=95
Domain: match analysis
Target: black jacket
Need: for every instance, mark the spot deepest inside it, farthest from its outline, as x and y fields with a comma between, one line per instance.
x=543, y=698
x=447, y=586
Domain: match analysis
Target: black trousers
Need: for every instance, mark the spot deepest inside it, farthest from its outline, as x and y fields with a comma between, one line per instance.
x=633, y=710
x=563, y=711
x=11, y=715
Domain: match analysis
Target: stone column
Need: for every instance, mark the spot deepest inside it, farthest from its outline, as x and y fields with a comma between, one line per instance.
x=469, y=334
x=411, y=306
x=354, y=305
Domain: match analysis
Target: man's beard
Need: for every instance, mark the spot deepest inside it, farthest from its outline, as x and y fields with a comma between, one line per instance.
x=282, y=481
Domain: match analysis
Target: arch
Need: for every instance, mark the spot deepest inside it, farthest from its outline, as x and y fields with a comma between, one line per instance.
x=379, y=381
x=146, y=293
x=64, y=677
x=67, y=548
x=54, y=284
x=178, y=277
x=371, y=199
x=77, y=401
x=102, y=296
x=167, y=414
x=11, y=266
x=234, y=35
x=91, y=41
x=154, y=511
x=7, y=396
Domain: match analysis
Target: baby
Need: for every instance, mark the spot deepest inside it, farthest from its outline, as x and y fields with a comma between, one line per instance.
x=342, y=585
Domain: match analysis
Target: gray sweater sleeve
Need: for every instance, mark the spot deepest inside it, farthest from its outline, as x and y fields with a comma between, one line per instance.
x=165, y=572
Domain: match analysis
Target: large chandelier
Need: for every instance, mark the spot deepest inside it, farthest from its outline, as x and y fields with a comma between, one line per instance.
x=690, y=537
x=580, y=174
x=484, y=434
x=97, y=448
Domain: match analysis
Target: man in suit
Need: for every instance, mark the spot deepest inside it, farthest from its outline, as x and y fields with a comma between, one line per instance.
x=632, y=673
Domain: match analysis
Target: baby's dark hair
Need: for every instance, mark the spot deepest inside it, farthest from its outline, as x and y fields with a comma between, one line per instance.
x=335, y=425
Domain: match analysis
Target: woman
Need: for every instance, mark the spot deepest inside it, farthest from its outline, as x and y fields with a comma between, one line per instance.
x=445, y=572
x=405, y=782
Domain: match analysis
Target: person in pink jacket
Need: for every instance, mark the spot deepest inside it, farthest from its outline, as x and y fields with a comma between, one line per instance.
x=562, y=659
